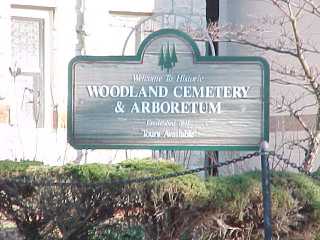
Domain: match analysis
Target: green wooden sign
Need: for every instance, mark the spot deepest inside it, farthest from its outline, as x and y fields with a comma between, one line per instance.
x=168, y=96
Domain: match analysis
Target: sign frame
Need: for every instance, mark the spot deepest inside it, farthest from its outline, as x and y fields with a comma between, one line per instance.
x=138, y=58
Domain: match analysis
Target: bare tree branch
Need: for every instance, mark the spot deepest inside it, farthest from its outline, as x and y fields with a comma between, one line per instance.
x=315, y=10
x=262, y=47
x=292, y=55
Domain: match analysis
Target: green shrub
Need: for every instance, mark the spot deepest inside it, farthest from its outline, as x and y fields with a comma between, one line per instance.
x=233, y=189
x=9, y=167
x=175, y=208
x=79, y=207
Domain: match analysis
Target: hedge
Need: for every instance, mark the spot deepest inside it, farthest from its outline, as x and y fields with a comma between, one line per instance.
x=186, y=207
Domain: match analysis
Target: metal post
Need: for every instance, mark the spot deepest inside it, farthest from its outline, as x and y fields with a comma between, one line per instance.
x=266, y=190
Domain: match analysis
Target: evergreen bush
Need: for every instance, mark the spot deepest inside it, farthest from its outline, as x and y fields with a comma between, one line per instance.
x=82, y=206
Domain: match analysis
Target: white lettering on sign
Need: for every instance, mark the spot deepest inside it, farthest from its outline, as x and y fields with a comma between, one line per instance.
x=176, y=107
x=151, y=134
x=210, y=92
x=103, y=91
x=157, y=92
x=138, y=77
x=178, y=134
x=156, y=78
x=168, y=134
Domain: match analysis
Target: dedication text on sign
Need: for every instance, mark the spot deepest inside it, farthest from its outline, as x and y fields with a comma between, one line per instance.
x=168, y=96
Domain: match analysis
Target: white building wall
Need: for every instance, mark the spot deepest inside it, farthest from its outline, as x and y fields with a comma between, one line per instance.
x=4, y=47
x=107, y=25
x=4, y=73
x=19, y=138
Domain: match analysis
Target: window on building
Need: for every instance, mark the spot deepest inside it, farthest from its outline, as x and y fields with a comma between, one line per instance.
x=30, y=43
x=27, y=42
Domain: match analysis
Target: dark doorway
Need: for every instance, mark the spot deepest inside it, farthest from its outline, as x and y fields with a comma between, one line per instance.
x=212, y=16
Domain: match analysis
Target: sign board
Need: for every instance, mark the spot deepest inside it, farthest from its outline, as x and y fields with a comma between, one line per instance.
x=168, y=96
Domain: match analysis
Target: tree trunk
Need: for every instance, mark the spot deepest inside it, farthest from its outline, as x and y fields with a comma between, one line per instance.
x=310, y=158
x=311, y=155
